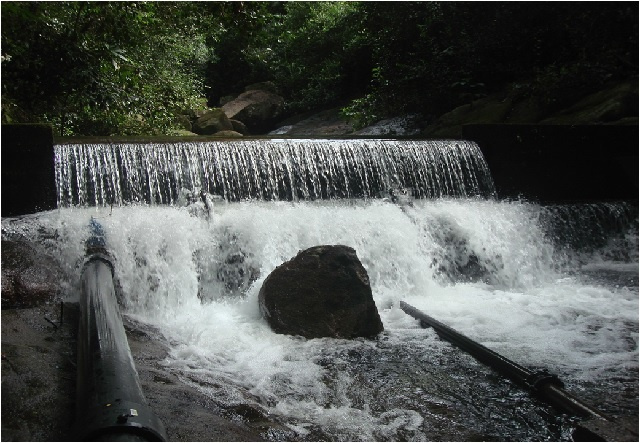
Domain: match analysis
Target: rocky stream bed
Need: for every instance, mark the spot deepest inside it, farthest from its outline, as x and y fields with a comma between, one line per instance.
x=39, y=384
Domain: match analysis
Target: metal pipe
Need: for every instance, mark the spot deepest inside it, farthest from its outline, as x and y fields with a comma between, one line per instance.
x=110, y=402
x=544, y=384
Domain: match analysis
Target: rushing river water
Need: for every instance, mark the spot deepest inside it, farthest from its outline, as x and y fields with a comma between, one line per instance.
x=548, y=287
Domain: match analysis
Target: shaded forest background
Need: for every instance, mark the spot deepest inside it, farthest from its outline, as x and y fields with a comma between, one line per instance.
x=129, y=68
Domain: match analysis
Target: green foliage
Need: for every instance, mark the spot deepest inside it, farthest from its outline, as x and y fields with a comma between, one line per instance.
x=432, y=56
x=314, y=52
x=101, y=68
x=236, y=41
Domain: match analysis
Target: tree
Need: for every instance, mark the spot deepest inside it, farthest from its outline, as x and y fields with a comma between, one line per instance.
x=101, y=68
x=314, y=51
x=432, y=56
x=319, y=54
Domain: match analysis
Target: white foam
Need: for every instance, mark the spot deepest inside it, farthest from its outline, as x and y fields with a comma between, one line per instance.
x=166, y=259
x=610, y=266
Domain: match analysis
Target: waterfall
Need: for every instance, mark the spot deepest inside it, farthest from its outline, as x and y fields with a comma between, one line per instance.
x=280, y=169
x=551, y=287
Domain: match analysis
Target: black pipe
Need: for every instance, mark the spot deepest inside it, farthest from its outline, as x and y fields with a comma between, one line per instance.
x=544, y=384
x=596, y=425
x=110, y=402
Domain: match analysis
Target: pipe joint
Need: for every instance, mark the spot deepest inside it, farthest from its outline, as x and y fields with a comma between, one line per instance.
x=538, y=379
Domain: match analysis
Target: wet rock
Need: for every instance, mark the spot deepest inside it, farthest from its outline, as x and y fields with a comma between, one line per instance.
x=39, y=383
x=236, y=269
x=38, y=373
x=322, y=292
x=458, y=261
x=29, y=277
x=406, y=125
x=228, y=270
x=212, y=121
x=186, y=412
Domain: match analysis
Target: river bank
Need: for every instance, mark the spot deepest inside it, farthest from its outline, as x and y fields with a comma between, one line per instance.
x=39, y=380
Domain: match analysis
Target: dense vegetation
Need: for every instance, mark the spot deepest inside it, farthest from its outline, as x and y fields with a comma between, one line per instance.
x=101, y=68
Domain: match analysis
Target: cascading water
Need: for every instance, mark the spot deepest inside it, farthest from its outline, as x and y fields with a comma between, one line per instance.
x=515, y=276
x=114, y=174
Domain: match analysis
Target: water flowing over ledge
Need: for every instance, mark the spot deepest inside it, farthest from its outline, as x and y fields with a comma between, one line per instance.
x=105, y=174
x=547, y=286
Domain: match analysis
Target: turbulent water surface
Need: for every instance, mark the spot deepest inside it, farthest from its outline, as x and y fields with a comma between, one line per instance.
x=524, y=280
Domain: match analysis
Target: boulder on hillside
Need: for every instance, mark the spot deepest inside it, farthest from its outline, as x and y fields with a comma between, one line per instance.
x=615, y=103
x=184, y=122
x=195, y=114
x=240, y=127
x=29, y=277
x=227, y=134
x=257, y=109
x=322, y=292
x=226, y=99
x=328, y=122
x=262, y=86
x=181, y=133
x=491, y=109
x=212, y=121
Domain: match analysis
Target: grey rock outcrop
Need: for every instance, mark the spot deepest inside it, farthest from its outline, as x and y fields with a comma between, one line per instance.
x=322, y=292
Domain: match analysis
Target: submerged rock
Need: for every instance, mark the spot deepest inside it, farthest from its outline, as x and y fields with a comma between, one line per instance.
x=322, y=292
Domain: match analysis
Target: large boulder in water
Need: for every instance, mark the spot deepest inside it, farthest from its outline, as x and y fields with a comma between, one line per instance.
x=257, y=109
x=322, y=292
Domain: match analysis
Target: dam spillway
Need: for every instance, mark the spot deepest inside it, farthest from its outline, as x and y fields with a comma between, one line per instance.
x=514, y=275
x=104, y=174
